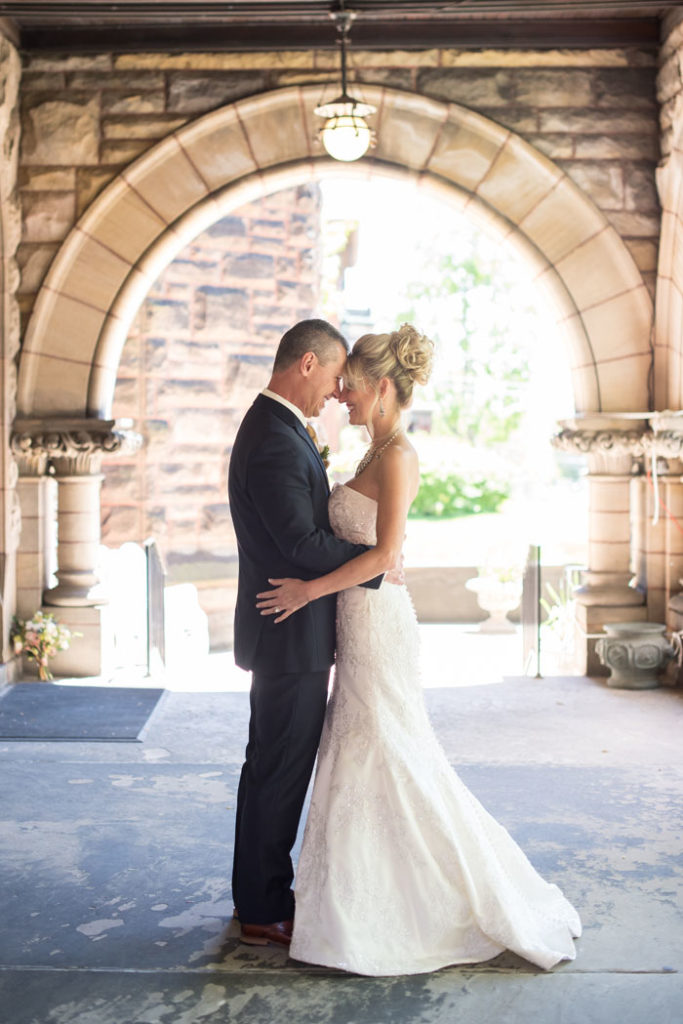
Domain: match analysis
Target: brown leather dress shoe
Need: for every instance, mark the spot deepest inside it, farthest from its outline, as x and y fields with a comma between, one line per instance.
x=277, y=934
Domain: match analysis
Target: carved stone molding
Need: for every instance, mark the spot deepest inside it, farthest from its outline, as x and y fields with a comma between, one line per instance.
x=30, y=463
x=74, y=447
x=665, y=443
x=606, y=442
x=619, y=444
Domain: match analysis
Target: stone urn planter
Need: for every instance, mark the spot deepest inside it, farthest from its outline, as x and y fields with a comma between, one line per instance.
x=634, y=652
x=498, y=597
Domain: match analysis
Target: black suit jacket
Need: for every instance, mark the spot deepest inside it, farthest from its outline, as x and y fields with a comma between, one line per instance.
x=278, y=492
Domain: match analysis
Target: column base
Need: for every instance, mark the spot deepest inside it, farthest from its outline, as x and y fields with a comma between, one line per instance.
x=609, y=589
x=92, y=653
x=76, y=590
x=673, y=675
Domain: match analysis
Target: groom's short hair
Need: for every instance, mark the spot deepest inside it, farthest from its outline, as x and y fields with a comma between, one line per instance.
x=317, y=336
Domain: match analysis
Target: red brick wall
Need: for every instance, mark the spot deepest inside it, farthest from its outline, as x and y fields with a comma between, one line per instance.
x=200, y=349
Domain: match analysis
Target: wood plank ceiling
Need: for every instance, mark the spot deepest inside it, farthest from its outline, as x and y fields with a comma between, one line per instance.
x=91, y=25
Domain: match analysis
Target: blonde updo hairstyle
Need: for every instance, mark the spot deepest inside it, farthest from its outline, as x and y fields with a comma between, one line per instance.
x=404, y=356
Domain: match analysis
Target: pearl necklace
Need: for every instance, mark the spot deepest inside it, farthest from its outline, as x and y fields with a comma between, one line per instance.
x=374, y=453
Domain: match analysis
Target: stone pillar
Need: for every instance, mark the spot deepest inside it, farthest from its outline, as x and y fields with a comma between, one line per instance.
x=655, y=543
x=33, y=562
x=663, y=542
x=10, y=234
x=608, y=592
x=79, y=599
x=78, y=534
x=662, y=503
x=73, y=450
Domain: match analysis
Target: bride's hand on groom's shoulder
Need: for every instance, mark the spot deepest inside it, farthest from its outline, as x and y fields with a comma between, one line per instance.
x=287, y=597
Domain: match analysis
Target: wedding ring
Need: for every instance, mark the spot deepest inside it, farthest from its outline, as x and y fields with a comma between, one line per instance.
x=277, y=610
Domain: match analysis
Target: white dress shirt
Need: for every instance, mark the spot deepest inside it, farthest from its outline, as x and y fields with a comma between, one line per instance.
x=288, y=405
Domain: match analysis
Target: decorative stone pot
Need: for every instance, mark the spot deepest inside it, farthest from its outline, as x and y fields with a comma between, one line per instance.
x=634, y=652
x=498, y=597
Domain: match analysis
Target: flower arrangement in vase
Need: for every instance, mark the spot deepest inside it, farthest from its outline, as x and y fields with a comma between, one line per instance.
x=40, y=638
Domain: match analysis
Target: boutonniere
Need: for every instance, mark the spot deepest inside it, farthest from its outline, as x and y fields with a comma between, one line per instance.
x=324, y=451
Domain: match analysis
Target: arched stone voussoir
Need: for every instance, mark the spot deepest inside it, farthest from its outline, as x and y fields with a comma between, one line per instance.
x=52, y=385
x=168, y=180
x=135, y=227
x=218, y=147
x=510, y=188
x=624, y=383
x=408, y=127
x=466, y=147
x=121, y=219
x=562, y=220
x=279, y=126
x=600, y=268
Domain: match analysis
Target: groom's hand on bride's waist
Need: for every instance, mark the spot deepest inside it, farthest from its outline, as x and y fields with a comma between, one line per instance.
x=287, y=597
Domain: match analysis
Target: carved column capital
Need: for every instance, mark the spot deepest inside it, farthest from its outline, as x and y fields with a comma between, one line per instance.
x=612, y=444
x=666, y=444
x=30, y=463
x=74, y=447
x=607, y=451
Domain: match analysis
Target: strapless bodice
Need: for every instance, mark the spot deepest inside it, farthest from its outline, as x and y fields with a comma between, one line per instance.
x=353, y=516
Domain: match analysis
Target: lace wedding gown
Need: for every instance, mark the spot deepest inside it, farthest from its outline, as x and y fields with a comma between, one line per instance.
x=402, y=870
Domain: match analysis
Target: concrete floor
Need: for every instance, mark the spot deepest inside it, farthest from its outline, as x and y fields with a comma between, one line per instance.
x=116, y=861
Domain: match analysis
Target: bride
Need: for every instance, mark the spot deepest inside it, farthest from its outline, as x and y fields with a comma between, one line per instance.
x=402, y=870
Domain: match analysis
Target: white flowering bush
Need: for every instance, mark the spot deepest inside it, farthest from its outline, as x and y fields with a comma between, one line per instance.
x=40, y=638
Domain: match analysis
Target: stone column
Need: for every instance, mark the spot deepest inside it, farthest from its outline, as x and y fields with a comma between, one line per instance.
x=78, y=534
x=608, y=592
x=660, y=500
x=654, y=534
x=10, y=235
x=73, y=450
x=663, y=542
x=33, y=556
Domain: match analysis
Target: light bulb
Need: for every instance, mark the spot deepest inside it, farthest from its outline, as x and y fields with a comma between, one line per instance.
x=346, y=137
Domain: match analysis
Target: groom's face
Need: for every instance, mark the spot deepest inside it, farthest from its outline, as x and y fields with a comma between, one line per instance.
x=324, y=382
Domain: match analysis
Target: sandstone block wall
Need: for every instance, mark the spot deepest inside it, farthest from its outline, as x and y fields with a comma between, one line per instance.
x=10, y=235
x=84, y=118
x=670, y=83
x=201, y=348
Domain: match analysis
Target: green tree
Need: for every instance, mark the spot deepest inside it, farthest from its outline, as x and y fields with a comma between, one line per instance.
x=467, y=303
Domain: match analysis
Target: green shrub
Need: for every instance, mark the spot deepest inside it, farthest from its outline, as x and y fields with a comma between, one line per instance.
x=447, y=495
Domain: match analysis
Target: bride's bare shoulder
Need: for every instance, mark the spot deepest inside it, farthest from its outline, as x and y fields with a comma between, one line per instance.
x=401, y=462
x=401, y=452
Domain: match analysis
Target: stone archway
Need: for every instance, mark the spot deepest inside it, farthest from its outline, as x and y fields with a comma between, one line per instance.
x=133, y=230
x=105, y=266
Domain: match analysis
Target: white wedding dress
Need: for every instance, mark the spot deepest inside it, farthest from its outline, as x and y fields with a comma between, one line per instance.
x=402, y=870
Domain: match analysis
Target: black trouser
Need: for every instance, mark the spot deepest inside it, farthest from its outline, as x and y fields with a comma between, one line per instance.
x=287, y=713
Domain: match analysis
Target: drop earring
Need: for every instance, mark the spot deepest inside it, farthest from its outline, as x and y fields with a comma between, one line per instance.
x=381, y=408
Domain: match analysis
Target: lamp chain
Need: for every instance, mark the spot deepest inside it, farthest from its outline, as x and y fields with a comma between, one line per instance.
x=343, y=20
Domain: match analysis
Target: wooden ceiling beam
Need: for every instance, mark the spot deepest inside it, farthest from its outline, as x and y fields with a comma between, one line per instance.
x=96, y=25
x=508, y=33
x=42, y=11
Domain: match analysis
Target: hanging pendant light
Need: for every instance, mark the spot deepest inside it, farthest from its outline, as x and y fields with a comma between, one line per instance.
x=346, y=134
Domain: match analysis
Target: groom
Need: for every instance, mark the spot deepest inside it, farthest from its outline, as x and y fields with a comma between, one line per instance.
x=278, y=492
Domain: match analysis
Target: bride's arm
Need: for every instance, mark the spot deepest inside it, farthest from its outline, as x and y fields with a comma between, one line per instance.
x=396, y=471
